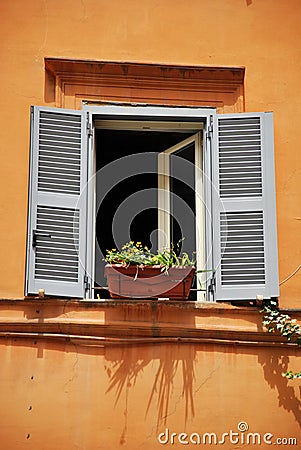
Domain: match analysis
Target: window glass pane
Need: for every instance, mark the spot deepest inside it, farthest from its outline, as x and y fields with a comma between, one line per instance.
x=182, y=198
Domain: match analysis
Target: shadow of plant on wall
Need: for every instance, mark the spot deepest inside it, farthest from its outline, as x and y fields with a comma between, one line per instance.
x=172, y=371
x=123, y=374
x=273, y=368
x=164, y=383
x=276, y=367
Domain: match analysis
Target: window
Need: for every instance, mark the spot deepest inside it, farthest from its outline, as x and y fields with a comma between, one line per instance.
x=230, y=192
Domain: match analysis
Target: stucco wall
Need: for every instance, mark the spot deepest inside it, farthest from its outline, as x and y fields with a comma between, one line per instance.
x=262, y=36
x=109, y=376
x=124, y=397
x=60, y=394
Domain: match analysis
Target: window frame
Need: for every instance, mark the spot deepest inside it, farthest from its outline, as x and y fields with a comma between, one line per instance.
x=164, y=206
x=167, y=119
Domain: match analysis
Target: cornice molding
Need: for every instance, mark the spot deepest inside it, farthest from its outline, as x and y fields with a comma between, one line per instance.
x=69, y=83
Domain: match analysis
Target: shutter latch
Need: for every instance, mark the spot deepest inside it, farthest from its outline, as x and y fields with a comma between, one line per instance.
x=36, y=234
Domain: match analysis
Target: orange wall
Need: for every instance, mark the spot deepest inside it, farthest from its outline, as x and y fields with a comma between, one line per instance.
x=92, y=375
x=59, y=394
x=262, y=36
x=68, y=396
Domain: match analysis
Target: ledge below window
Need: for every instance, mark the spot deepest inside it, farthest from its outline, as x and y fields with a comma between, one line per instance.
x=111, y=322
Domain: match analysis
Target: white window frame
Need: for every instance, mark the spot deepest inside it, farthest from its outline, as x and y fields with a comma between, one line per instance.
x=164, y=207
x=153, y=118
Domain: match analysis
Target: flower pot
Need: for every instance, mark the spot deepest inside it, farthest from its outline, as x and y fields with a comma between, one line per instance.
x=149, y=281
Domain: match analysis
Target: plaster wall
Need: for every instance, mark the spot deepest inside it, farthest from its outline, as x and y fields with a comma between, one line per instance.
x=91, y=375
x=262, y=36
x=67, y=395
x=64, y=394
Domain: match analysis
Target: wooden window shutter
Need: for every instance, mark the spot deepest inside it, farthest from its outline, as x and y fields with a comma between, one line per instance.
x=56, y=244
x=244, y=214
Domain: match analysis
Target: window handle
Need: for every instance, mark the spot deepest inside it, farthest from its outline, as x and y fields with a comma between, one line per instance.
x=35, y=234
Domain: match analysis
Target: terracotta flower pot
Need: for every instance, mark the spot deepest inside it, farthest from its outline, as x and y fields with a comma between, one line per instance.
x=149, y=281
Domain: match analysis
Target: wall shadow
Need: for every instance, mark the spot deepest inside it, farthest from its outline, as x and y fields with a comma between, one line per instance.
x=173, y=364
x=168, y=381
x=273, y=368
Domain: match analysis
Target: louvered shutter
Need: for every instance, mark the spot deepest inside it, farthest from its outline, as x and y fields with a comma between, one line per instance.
x=243, y=199
x=56, y=244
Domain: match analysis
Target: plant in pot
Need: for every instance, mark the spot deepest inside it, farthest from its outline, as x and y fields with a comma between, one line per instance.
x=135, y=272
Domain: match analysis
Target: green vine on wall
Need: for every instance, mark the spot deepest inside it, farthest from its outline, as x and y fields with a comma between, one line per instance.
x=275, y=321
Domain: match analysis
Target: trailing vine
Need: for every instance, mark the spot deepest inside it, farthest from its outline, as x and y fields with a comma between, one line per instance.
x=275, y=321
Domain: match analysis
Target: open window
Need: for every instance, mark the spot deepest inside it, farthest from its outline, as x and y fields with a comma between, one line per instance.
x=134, y=191
x=181, y=203
x=105, y=175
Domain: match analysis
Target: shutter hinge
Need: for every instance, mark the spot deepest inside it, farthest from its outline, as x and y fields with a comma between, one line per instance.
x=89, y=127
x=212, y=284
x=86, y=283
x=210, y=128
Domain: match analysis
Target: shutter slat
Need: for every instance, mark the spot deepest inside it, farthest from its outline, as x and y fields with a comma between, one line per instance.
x=232, y=139
x=51, y=150
x=68, y=238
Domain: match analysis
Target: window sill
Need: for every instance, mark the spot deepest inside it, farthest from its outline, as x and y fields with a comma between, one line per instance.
x=94, y=322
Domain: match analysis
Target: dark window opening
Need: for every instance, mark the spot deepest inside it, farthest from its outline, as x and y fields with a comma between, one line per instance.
x=128, y=189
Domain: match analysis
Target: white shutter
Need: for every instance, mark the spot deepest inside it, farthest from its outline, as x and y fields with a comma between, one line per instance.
x=243, y=197
x=56, y=244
